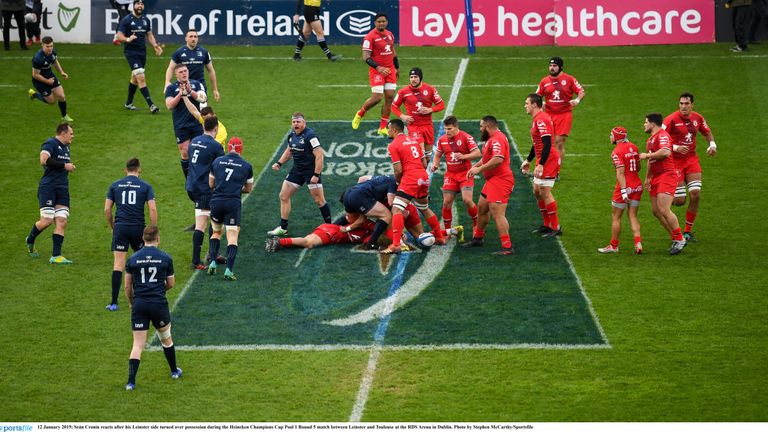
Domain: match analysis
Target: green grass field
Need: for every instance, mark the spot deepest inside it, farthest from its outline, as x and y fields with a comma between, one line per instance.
x=687, y=334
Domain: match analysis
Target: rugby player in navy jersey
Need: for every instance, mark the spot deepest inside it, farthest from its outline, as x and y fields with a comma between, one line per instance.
x=185, y=125
x=197, y=59
x=203, y=150
x=129, y=195
x=372, y=198
x=48, y=89
x=230, y=176
x=53, y=192
x=304, y=148
x=134, y=31
x=149, y=274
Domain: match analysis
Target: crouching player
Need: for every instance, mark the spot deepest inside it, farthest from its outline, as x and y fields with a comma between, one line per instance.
x=230, y=176
x=629, y=189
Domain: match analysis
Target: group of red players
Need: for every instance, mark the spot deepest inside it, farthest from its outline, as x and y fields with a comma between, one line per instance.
x=673, y=166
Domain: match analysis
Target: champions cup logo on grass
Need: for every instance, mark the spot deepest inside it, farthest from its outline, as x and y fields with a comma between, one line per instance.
x=67, y=17
x=336, y=297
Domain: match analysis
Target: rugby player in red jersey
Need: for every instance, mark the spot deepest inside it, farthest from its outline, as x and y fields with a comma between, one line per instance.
x=420, y=100
x=628, y=190
x=557, y=90
x=662, y=178
x=379, y=54
x=547, y=165
x=682, y=126
x=459, y=149
x=409, y=166
x=499, y=183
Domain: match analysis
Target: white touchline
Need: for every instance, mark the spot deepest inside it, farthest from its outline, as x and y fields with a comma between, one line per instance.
x=391, y=301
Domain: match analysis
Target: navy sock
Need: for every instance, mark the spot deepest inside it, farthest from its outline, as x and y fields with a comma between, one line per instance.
x=325, y=210
x=284, y=224
x=63, y=108
x=231, y=255
x=197, y=245
x=33, y=234
x=145, y=92
x=58, y=240
x=131, y=91
x=117, y=276
x=170, y=355
x=133, y=369
x=213, y=248
x=185, y=167
x=378, y=229
x=39, y=97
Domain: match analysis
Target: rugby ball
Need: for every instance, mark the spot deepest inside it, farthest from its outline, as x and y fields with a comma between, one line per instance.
x=30, y=17
x=426, y=239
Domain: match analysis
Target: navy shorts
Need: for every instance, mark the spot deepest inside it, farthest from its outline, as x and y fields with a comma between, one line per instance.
x=45, y=89
x=357, y=201
x=187, y=133
x=226, y=211
x=143, y=312
x=300, y=177
x=51, y=196
x=202, y=201
x=136, y=60
x=124, y=236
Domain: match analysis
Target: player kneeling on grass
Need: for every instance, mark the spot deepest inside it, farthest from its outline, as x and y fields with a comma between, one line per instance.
x=149, y=274
x=230, y=176
x=629, y=189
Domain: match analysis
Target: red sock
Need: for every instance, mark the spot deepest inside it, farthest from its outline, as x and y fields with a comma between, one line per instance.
x=506, y=243
x=434, y=223
x=473, y=214
x=552, y=214
x=447, y=217
x=690, y=217
x=361, y=113
x=397, y=228
x=286, y=242
x=677, y=235
x=476, y=233
x=383, y=122
x=388, y=233
x=615, y=243
x=637, y=239
x=543, y=210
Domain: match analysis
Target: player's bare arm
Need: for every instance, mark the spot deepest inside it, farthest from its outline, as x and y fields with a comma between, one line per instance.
x=60, y=69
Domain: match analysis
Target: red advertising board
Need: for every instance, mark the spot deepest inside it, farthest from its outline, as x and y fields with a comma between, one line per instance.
x=560, y=22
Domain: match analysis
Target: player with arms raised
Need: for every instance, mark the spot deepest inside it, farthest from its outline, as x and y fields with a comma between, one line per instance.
x=682, y=126
x=379, y=54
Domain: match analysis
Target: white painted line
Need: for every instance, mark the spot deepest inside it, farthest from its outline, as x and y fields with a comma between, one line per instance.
x=585, y=155
x=367, y=347
x=456, y=88
x=301, y=258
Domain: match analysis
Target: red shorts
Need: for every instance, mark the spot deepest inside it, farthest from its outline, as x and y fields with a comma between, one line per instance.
x=416, y=186
x=327, y=232
x=498, y=190
x=455, y=181
x=377, y=79
x=635, y=195
x=427, y=133
x=562, y=122
x=665, y=183
x=552, y=167
x=688, y=165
